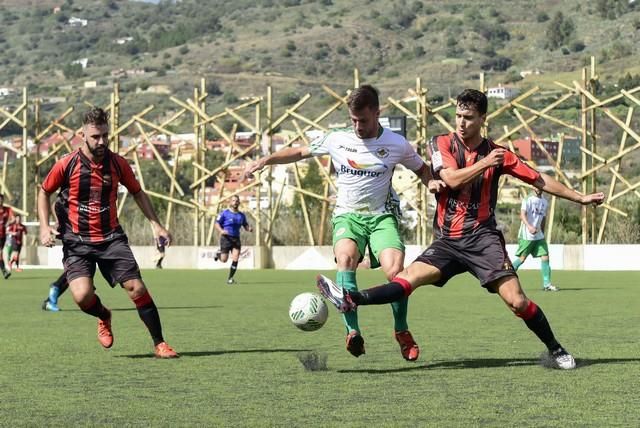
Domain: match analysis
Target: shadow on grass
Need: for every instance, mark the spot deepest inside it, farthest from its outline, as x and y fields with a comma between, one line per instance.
x=161, y=308
x=484, y=363
x=220, y=352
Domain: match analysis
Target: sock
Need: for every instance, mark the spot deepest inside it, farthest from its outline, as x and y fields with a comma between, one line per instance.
x=54, y=293
x=233, y=269
x=537, y=322
x=397, y=289
x=96, y=309
x=2, y=268
x=347, y=280
x=546, y=272
x=58, y=287
x=517, y=263
x=149, y=315
x=399, y=308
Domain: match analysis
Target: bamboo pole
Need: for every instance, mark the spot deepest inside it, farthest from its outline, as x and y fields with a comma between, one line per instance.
x=612, y=185
x=303, y=204
x=583, y=120
x=25, y=164
x=172, y=186
x=552, y=208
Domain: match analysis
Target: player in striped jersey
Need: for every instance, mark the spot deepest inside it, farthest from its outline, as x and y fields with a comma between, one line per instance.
x=88, y=180
x=465, y=226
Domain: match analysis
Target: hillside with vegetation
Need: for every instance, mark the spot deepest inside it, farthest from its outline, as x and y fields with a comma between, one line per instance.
x=298, y=45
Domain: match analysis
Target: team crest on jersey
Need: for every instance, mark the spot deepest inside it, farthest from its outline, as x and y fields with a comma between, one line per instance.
x=382, y=152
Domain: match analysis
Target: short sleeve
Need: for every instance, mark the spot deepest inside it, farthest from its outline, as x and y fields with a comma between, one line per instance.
x=411, y=159
x=244, y=220
x=515, y=167
x=320, y=146
x=55, y=178
x=523, y=206
x=128, y=179
x=442, y=157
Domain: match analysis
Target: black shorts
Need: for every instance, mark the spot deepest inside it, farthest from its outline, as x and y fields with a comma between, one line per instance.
x=114, y=259
x=483, y=255
x=2, y=241
x=228, y=243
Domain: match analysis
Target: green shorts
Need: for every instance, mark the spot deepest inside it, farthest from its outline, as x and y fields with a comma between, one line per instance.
x=379, y=232
x=537, y=248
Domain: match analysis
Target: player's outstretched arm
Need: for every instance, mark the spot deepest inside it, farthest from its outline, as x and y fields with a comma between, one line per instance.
x=144, y=203
x=288, y=155
x=553, y=186
x=47, y=233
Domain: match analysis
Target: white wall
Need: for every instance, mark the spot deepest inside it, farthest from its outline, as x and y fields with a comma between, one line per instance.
x=562, y=257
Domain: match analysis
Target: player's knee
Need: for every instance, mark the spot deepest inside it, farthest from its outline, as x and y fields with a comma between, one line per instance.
x=519, y=304
x=393, y=271
x=346, y=262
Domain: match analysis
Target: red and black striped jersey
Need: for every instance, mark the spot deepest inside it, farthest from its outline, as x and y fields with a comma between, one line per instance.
x=470, y=208
x=86, y=207
x=5, y=214
x=17, y=230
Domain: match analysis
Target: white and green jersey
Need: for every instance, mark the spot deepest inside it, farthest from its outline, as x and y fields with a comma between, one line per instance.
x=535, y=208
x=365, y=168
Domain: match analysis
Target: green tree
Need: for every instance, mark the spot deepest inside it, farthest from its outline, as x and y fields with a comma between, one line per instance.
x=559, y=31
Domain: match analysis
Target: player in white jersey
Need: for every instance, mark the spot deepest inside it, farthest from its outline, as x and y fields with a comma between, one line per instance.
x=367, y=208
x=531, y=236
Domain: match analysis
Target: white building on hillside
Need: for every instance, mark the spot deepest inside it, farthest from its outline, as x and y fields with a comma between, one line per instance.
x=502, y=92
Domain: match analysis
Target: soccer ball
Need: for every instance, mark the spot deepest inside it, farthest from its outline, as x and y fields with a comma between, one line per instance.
x=308, y=311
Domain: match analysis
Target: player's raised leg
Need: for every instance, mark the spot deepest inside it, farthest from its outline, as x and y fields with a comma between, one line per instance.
x=512, y=294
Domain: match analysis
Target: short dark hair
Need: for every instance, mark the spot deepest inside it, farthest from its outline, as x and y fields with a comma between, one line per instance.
x=363, y=97
x=474, y=99
x=95, y=116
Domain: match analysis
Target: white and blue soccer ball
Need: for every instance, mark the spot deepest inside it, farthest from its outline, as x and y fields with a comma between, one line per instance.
x=308, y=311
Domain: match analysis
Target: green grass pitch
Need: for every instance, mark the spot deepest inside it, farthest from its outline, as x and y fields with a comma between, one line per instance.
x=242, y=359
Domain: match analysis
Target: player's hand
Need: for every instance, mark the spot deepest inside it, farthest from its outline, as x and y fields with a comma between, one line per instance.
x=436, y=186
x=595, y=199
x=532, y=230
x=163, y=234
x=495, y=157
x=48, y=236
x=253, y=166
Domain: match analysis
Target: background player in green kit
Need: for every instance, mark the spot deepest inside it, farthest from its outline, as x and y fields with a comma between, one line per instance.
x=531, y=239
x=367, y=208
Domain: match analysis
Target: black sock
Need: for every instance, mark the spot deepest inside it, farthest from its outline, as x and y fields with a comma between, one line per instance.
x=539, y=325
x=149, y=315
x=96, y=309
x=2, y=268
x=232, y=269
x=151, y=318
x=379, y=295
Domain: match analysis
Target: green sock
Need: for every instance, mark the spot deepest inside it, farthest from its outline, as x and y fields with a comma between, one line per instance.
x=399, y=308
x=347, y=280
x=517, y=263
x=546, y=272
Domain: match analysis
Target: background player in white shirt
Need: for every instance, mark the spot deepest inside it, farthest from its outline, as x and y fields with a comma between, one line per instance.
x=531, y=236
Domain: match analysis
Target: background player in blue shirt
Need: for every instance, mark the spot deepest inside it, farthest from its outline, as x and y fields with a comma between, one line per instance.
x=228, y=225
